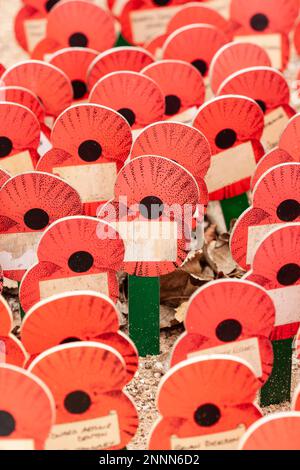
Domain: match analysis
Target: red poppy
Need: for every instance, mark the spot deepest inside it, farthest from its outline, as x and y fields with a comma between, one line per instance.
x=87, y=380
x=4, y=176
x=219, y=406
x=289, y=138
x=43, y=6
x=297, y=38
x=154, y=46
x=117, y=59
x=74, y=253
x=233, y=126
x=27, y=410
x=29, y=203
x=54, y=321
x=11, y=349
x=229, y=317
x=272, y=158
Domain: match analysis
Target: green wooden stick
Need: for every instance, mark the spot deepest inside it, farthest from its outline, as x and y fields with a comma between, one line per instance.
x=122, y=42
x=144, y=301
x=233, y=207
x=22, y=313
x=278, y=388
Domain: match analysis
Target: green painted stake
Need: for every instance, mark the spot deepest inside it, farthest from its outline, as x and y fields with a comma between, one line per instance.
x=233, y=207
x=144, y=302
x=22, y=313
x=122, y=42
x=278, y=388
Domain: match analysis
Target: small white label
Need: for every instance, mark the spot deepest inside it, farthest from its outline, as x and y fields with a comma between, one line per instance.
x=96, y=282
x=92, y=434
x=287, y=304
x=35, y=31
x=18, y=163
x=255, y=235
x=227, y=440
x=149, y=241
x=230, y=166
x=148, y=24
x=270, y=42
x=186, y=117
x=45, y=145
x=94, y=183
x=222, y=6
x=49, y=121
x=247, y=349
x=275, y=123
x=18, y=250
x=16, y=444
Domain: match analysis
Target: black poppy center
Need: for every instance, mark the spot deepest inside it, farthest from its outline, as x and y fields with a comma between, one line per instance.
x=228, y=330
x=172, y=105
x=207, y=415
x=50, y=4
x=79, y=89
x=36, y=219
x=128, y=114
x=151, y=207
x=288, y=274
x=7, y=423
x=225, y=138
x=5, y=146
x=78, y=40
x=80, y=261
x=259, y=22
x=262, y=105
x=200, y=65
x=89, y=150
x=161, y=3
x=71, y=339
x=288, y=210
x=77, y=402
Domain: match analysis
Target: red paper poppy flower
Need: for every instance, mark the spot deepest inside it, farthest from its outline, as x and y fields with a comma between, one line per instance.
x=4, y=176
x=117, y=59
x=182, y=86
x=233, y=57
x=289, y=138
x=297, y=38
x=275, y=201
x=155, y=200
x=29, y=27
x=11, y=349
x=279, y=431
x=196, y=44
x=154, y=46
x=270, y=90
x=76, y=316
x=91, y=144
x=136, y=97
x=229, y=317
x=276, y=267
x=19, y=138
x=43, y=6
x=27, y=410
x=87, y=380
x=209, y=397
x=29, y=203
x=74, y=62
x=233, y=126
x=2, y=69
x=6, y=318
x=179, y=142
x=272, y=158
x=49, y=83
x=75, y=253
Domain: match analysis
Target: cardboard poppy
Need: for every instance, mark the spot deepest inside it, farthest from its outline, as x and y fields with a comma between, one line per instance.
x=179, y=142
x=75, y=253
x=133, y=95
x=297, y=38
x=272, y=158
x=19, y=138
x=6, y=318
x=289, y=138
x=233, y=126
x=215, y=413
x=91, y=144
x=154, y=46
x=276, y=268
x=196, y=44
x=43, y=6
x=76, y=316
x=4, y=176
x=267, y=23
x=11, y=349
x=74, y=62
x=232, y=317
x=87, y=380
x=279, y=431
x=29, y=203
x=50, y=84
x=78, y=23
x=117, y=59
x=182, y=86
x=233, y=57
x=2, y=69
x=151, y=194
x=270, y=90
x=29, y=27
x=27, y=410
x=275, y=201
